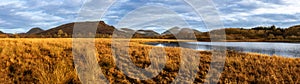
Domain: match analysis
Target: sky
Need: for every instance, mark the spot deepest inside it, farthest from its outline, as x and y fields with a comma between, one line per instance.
x=19, y=16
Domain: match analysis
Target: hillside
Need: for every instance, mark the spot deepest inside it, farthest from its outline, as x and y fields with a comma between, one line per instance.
x=173, y=30
x=180, y=33
x=102, y=28
x=146, y=34
x=127, y=30
x=35, y=30
x=3, y=35
x=292, y=32
x=271, y=33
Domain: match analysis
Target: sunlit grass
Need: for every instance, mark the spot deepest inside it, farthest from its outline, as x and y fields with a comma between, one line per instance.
x=51, y=61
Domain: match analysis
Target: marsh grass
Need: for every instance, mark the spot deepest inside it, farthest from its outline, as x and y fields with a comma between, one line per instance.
x=51, y=61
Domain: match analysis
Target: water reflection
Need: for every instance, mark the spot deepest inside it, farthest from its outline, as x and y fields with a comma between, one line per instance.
x=281, y=49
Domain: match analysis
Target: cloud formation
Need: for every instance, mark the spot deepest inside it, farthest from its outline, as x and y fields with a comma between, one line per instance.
x=21, y=15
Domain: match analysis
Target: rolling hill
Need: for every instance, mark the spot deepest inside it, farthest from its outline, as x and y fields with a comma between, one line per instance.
x=35, y=30
x=102, y=28
x=145, y=34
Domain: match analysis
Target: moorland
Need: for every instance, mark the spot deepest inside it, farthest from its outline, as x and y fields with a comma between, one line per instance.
x=50, y=60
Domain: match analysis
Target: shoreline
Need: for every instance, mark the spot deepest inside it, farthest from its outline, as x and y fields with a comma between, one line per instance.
x=181, y=40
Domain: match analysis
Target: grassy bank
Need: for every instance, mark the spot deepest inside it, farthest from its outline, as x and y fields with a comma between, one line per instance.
x=51, y=61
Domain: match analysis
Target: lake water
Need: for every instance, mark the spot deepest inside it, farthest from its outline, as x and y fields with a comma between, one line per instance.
x=270, y=48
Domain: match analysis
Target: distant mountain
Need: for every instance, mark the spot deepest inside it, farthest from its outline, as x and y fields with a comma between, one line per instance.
x=261, y=33
x=102, y=28
x=35, y=30
x=140, y=33
x=145, y=34
x=173, y=30
x=187, y=33
x=196, y=32
x=127, y=30
x=188, y=30
x=176, y=32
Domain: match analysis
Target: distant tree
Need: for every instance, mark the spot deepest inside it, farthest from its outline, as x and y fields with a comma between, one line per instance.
x=273, y=27
x=60, y=33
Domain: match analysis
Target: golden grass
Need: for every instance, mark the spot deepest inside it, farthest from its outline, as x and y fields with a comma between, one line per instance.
x=51, y=61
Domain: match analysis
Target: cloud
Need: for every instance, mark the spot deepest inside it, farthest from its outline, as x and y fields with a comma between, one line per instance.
x=288, y=7
x=151, y=16
x=38, y=16
x=94, y=9
x=21, y=15
x=25, y=14
x=261, y=12
x=13, y=4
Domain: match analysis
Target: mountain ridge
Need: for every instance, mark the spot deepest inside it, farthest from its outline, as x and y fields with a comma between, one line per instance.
x=105, y=30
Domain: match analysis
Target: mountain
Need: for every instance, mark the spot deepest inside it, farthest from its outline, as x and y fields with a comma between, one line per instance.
x=102, y=28
x=196, y=32
x=173, y=30
x=176, y=30
x=183, y=33
x=127, y=30
x=188, y=30
x=187, y=33
x=35, y=30
x=145, y=34
x=140, y=33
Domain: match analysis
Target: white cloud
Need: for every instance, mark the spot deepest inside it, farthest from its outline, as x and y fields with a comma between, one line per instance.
x=147, y=16
x=93, y=9
x=50, y=13
x=13, y=3
x=38, y=16
x=67, y=11
x=287, y=7
x=254, y=3
x=258, y=12
x=43, y=3
x=44, y=23
x=190, y=16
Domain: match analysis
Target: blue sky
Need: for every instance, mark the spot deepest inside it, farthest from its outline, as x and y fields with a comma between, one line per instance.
x=18, y=16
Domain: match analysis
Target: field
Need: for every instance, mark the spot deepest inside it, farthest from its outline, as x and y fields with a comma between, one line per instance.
x=51, y=61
